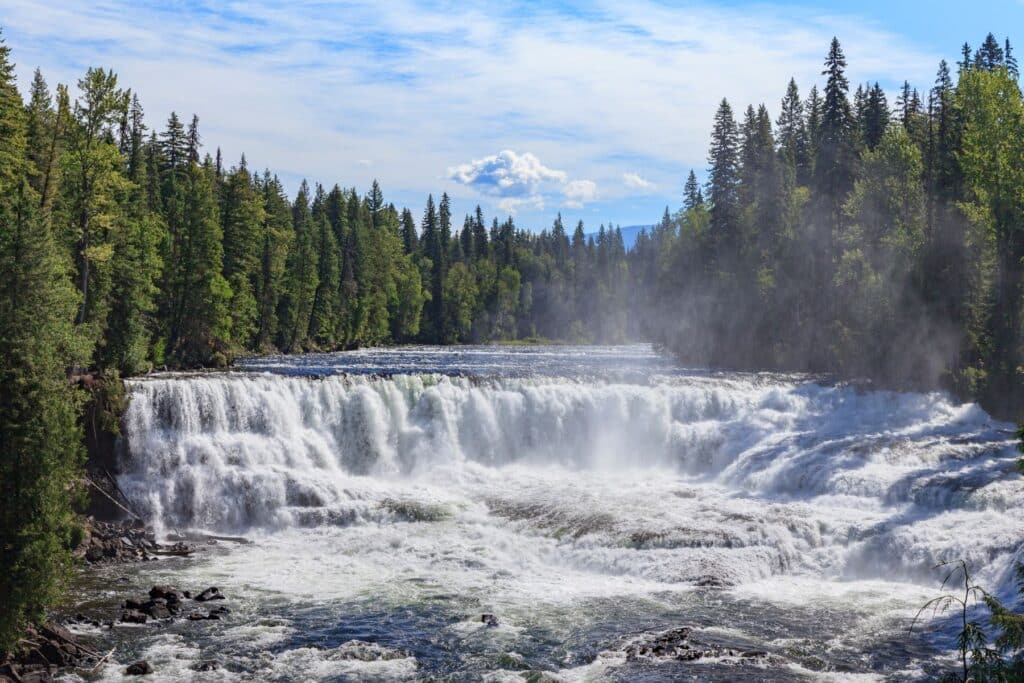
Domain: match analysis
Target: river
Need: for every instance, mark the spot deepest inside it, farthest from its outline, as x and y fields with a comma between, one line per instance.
x=587, y=497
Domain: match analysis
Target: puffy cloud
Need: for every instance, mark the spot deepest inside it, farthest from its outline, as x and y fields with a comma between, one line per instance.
x=521, y=181
x=506, y=174
x=578, y=192
x=635, y=181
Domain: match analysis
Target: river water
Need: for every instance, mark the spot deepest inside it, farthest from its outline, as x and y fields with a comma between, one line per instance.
x=588, y=497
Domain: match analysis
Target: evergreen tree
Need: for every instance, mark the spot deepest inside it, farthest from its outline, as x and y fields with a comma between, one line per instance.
x=326, y=302
x=242, y=218
x=40, y=438
x=301, y=278
x=692, y=194
x=723, y=182
x=792, y=134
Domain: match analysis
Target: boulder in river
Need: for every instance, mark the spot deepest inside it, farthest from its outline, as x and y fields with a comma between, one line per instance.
x=212, y=593
x=134, y=616
x=139, y=668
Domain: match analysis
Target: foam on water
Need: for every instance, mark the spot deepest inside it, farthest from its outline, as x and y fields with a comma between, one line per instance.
x=556, y=499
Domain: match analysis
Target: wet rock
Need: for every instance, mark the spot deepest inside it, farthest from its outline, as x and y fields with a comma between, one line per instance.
x=94, y=553
x=132, y=604
x=139, y=668
x=710, y=581
x=168, y=593
x=208, y=665
x=158, y=611
x=134, y=616
x=675, y=644
x=489, y=620
x=212, y=593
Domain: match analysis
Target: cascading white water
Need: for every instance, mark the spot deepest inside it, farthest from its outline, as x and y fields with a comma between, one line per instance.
x=227, y=452
x=553, y=488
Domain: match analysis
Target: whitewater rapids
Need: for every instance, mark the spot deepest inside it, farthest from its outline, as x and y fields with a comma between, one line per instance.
x=584, y=496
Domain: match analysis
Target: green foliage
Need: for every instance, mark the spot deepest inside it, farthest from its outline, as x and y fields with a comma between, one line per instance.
x=39, y=434
x=980, y=659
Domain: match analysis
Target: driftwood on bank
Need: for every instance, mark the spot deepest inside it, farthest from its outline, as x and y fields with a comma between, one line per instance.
x=195, y=538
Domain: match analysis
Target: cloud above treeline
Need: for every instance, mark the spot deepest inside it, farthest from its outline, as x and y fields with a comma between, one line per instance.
x=406, y=91
x=521, y=180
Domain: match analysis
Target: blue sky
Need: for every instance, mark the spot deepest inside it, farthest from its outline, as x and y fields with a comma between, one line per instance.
x=597, y=110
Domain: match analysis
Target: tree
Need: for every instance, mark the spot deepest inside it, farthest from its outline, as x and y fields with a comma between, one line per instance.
x=92, y=165
x=692, y=194
x=40, y=438
x=723, y=182
x=993, y=162
x=242, y=217
x=792, y=134
x=326, y=302
x=301, y=278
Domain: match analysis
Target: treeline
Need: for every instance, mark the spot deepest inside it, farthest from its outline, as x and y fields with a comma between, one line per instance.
x=178, y=260
x=857, y=237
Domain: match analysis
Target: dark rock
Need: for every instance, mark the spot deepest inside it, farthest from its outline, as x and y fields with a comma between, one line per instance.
x=158, y=611
x=139, y=668
x=196, y=616
x=94, y=553
x=711, y=581
x=208, y=665
x=489, y=620
x=212, y=593
x=132, y=604
x=122, y=579
x=187, y=594
x=133, y=616
x=168, y=593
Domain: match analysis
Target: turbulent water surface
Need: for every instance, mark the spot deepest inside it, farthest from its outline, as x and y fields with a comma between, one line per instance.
x=587, y=497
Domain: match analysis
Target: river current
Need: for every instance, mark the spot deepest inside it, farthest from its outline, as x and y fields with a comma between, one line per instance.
x=587, y=497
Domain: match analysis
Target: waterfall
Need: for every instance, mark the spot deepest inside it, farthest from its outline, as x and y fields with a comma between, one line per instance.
x=796, y=476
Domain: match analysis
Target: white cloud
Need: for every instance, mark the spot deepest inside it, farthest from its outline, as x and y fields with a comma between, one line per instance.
x=635, y=181
x=506, y=174
x=579, y=192
x=521, y=181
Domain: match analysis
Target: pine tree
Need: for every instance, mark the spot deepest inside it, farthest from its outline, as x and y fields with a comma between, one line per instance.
x=692, y=194
x=301, y=279
x=200, y=329
x=276, y=236
x=989, y=56
x=326, y=302
x=242, y=218
x=40, y=438
x=410, y=238
x=875, y=117
x=480, y=245
x=723, y=184
x=792, y=133
x=92, y=177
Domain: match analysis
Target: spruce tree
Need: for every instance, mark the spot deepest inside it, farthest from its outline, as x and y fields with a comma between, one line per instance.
x=40, y=438
x=301, y=278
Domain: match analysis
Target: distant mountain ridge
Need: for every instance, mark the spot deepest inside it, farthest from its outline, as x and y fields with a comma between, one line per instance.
x=629, y=234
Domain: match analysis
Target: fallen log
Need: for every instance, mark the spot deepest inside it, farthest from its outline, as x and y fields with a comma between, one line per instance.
x=207, y=537
x=173, y=553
